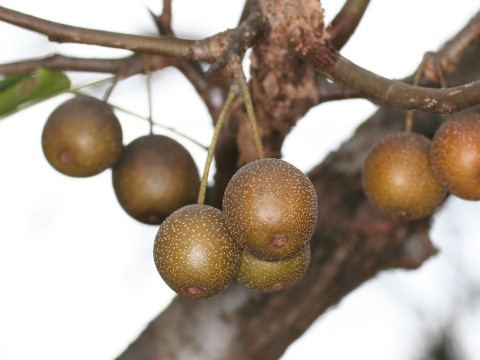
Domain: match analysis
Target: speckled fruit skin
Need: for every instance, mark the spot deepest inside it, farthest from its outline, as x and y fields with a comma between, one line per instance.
x=398, y=179
x=270, y=208
x=82, y=137
x=155, y=176
x=194, y=252
x=269, y=276
x=455, y=155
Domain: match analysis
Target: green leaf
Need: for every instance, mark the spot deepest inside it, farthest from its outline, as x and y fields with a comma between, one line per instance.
x=10, y=80
x=38, y=86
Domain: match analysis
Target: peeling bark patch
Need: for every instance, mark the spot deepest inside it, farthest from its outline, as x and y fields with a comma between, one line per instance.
x=322, y=55
x=456, y=92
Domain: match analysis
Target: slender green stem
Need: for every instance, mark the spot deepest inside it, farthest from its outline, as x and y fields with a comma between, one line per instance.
x=173, y=130
x=152, y=123
x=121, y=72
x=76, y=89
x=146, y=67
x=109, y=91
x=247, y=98
x=441, y=76
x=409, y=121
x=218, y=126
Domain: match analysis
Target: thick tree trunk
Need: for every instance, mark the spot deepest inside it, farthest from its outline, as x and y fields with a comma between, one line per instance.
x=352, y=243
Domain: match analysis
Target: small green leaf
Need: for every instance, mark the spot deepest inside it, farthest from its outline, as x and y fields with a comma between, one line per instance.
x=11, y=80
x=37, y=86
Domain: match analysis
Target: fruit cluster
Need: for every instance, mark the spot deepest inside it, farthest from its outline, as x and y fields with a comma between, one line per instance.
x=152, y=176
x=261, y=237
x=407, y=176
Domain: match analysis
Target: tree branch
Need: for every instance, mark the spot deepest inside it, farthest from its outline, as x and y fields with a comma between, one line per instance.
x=250, y=30
x=346, y=21
x=68, y=63
x=448, y=57
x=209, y=91
x=453, y=50
x=396, y=93
x=200, y=50
x=321, y=54
x=164, y=20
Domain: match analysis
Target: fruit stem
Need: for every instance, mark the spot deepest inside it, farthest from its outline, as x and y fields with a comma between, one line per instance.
x=416, y=81
x=109, y=91
x=247, y=98
x=76, y=90
x=409, y=121
x=226, y=106
x=146, y=69
x=173, y=130
x=116, y=78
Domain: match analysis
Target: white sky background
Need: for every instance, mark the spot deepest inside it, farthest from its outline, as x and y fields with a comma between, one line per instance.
x=77, y=279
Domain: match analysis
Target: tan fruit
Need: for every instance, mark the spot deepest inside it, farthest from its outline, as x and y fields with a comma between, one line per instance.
x=155, y=176
x=194, y=252
x=398, y=179
x=82, y=137
x=455, y=155
x=269, y=276
x=270, y=208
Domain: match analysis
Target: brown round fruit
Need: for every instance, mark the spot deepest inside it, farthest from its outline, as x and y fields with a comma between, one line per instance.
x=269, y=276
x=398, y=179
x=194, y=252
x=270, y=208
x=82, y=137
x=155, y=176
x=455, y=155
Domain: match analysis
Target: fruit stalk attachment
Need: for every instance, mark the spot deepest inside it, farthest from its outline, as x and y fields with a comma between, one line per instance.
x=416, y=81
x=218, y=126
x=121, y=71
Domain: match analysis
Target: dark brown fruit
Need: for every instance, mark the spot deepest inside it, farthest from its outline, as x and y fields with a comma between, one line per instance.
x=155, y=176
x=270, y=208
x=82, y=137
x=194, y=252
x=269, y=276
x=455, y=155
x=398, y=179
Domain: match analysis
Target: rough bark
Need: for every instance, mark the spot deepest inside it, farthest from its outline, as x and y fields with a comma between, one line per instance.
x=352, y=243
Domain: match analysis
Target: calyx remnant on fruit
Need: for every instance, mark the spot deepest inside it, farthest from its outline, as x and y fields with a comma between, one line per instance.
x=270, y=208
